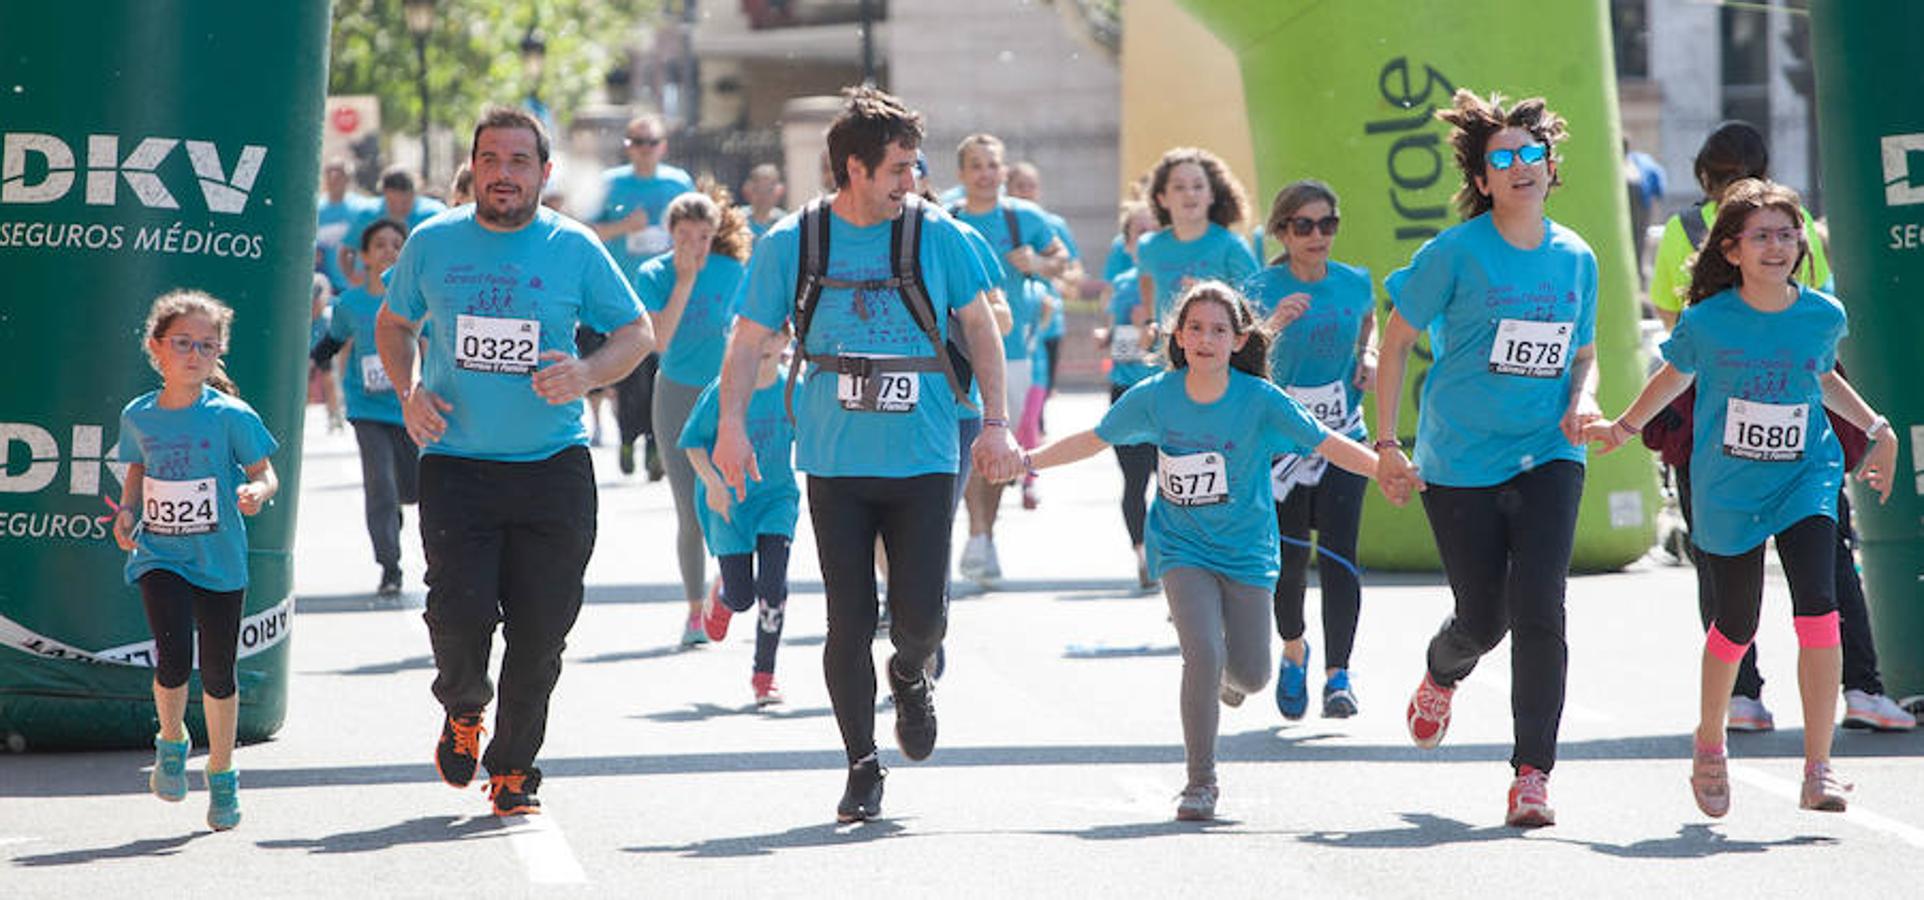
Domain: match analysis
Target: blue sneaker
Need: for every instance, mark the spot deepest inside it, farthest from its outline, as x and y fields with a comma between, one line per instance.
x=169, y=780
x=1292, y=686
x=223, y=799
x=1338, y=701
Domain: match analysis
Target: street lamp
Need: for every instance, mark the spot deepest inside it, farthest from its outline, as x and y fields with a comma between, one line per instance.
x=534, y=52
x=420, y=16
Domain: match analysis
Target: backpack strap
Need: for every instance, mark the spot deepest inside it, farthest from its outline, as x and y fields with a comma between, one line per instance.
x=1694, y=229
x=812, y=272
x=905, y=263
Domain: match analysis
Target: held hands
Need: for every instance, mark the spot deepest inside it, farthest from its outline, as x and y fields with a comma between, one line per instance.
x=567, y=379
x=1396, y=477
x=251, y=497
x=734, y=457
x=996, y=456
x=421, y=411
x=1288, y=310
x=1878, y=465
x=1583, y=411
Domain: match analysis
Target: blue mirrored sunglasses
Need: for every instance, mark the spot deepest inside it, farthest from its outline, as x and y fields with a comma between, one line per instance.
x=1530, y=154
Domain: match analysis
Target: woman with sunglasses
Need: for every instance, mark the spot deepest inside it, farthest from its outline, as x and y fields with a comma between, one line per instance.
x=1509, y=299
x=1323, y=315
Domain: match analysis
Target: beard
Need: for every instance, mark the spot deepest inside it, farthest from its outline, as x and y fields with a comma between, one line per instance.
x=512, y=216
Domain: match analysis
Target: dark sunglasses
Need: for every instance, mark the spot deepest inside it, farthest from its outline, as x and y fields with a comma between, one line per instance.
x=633, y=141
x=1530, y=154
x=1303, y=225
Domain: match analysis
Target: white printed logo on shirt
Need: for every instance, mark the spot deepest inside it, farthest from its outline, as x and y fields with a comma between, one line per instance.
x=1193, y=479
x=179, y=508
x=1531, y=349
x=1767, y=432
x=507, y=346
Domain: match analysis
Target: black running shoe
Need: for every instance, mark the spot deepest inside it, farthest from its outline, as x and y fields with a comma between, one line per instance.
x=653, y=462
x=390, y=582
x=862, y=798
x=460, y=749
x=914, y=712
x=513, y=794
x=626, y=459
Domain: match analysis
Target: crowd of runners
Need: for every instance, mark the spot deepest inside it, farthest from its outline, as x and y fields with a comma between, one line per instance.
x=898, y=347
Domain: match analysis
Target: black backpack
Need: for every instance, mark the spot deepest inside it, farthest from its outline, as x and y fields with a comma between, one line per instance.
x=905, y=278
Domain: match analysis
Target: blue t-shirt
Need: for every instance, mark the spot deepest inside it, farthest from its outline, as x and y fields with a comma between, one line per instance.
x=490, y=293
x=991, y=273
x=1025, y=295
x=1780, y=462
x=370, y=396
x=693, y=356
x=1118, y=259
x=773, y=503
x=1059, y=319
x=1504, y=324
x=424, y=208
x=1319, y=348
x=760, y=228
x=835, y=442
x=1198, y=520
x=335, y=222
x=1218, y=253
x=191, y=524
x=1130, y=362
x=623, y=193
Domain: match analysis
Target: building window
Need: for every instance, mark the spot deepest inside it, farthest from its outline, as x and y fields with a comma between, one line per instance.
x=1746, y=65
x=1630, y=37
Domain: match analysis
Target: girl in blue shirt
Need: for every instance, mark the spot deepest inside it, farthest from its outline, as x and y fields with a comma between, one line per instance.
x=197, y=462
x=1762, y=351
x=750, y=535
x=690, y=292
x=1509, y=299
x=1197, y=201
x=1130, y=362
x=1324, y=315
x=1215, y=421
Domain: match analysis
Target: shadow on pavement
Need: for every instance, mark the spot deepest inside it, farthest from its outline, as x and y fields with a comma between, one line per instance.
x=1167, y=827
x=389, y=667
x=425, y=830
x=154, y=847
x=805, y=836
x=1120, y=651
x=1697, y=842
x=1425, y=831
x=702, y=712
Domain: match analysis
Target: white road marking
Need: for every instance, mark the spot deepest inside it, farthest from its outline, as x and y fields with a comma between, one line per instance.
x=544, y=851
x=1903, y=831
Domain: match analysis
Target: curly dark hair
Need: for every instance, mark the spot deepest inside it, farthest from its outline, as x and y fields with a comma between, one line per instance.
x=1710, y=271
x=1228, y=204
x=712, y=203
x=1253, y=358
x=871, y=120
x=1474, y=120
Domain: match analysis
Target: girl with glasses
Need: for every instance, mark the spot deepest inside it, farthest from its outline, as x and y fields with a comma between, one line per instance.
x=1509, y=300
x=1323, y=315
x=1762, y=352
x=197, y=462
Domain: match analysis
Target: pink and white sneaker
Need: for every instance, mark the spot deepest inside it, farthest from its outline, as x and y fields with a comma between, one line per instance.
x=1530, y=800
x=1429, y=713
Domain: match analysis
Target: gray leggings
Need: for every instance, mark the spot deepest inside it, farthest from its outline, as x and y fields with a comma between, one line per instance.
x=673, y=402
x=1223, y=627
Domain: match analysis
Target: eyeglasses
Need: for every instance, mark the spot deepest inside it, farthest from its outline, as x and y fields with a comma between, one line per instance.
x=1303, y=225
x=633, y=141
x=183, y=345
x=1764, y=237
x=1530, y=154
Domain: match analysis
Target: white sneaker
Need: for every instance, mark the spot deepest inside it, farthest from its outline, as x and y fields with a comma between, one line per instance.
x=991, y=566
x=975, y=555
x=1876, y=712
x=1749, y=714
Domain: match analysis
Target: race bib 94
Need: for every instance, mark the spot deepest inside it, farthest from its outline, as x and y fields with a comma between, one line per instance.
x=1531, y=349
x=1327, y=403
x=178, y=508
x=1193, y=479
x=1767, y=432
x=507, y=346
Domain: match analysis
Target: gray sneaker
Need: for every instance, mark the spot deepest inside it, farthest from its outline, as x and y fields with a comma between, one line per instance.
x=1197, y=804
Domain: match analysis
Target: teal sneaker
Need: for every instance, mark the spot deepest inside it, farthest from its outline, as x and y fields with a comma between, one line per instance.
x=1292, y=686
x=169, y=779
x=1338, y=701
x=223, y=799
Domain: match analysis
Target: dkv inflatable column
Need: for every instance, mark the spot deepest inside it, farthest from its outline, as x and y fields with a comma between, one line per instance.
x=144, y=147
x=1870, y=115
x=1346, y=92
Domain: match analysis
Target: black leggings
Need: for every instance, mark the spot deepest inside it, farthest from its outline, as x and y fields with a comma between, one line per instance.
x=174, y=606
x=742, y=582
x=1334, y=508
x=1808, y=551
x=1138, y=462
x=635, y=401
x=848, y=515
x=1506, y=551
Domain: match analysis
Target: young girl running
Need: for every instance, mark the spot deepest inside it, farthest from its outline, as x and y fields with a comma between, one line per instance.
x=197, y=462
x=1130, y=363
x=1762, y=351
x=690, y=292
x=1510, y=302
x=390, y=461
x=1324, y=355
x=761, y=524
x=1196, y=201
x=1215, y=421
